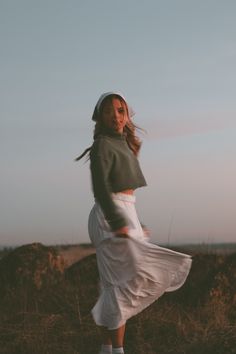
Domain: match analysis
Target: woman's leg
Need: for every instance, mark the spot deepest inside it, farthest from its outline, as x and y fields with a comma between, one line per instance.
x=114, y=336
x=106, y=347
x=117, y=336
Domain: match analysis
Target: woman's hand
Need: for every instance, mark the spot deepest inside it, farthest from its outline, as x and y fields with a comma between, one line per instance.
x=123, y=232
x=146, y=231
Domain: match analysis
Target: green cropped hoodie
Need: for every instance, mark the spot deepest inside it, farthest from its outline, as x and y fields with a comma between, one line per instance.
x=114, y=168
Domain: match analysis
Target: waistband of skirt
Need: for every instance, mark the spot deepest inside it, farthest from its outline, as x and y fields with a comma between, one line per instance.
x=123, y=196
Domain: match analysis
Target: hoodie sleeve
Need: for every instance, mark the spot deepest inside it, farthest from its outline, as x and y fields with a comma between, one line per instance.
x=101, y=159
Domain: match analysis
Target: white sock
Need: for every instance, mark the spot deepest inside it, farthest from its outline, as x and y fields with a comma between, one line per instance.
x=106, y=349
x=119, y=350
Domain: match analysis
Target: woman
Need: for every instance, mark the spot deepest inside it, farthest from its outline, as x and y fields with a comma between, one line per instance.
x=133, y=271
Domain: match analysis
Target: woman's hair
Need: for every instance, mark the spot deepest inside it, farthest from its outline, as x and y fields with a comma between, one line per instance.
x=133, y=141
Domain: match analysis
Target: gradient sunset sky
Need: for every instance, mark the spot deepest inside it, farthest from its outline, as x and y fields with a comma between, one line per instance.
x=174, y=60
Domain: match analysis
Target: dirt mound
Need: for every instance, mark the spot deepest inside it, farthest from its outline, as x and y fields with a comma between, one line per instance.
x=202, y=278
x=83, y=275
x=33, y=264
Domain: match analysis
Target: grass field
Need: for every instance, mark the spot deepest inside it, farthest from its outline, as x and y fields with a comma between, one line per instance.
x=47, y=293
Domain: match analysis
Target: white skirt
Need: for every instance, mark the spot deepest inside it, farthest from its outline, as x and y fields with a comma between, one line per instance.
x=134, y=272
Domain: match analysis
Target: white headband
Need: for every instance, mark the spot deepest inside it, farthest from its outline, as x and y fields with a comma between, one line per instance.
x=104, y=95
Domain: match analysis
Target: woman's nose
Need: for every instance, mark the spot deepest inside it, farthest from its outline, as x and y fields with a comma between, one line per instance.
x=116, y=115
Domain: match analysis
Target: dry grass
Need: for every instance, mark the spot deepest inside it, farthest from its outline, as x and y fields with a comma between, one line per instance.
x=200, y=318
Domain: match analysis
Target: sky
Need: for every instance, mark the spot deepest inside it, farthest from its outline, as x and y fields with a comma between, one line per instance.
x=174, y=60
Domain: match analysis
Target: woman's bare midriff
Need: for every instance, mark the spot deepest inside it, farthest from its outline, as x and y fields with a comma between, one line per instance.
x=127, y=191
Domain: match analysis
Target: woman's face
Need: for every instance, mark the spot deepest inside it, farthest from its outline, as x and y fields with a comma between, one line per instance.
x=114, y=115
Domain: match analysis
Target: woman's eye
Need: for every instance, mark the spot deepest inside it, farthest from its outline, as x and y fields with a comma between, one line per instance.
x=121, y=110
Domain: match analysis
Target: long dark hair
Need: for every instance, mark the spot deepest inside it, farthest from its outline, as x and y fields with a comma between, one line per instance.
x=133, y=141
